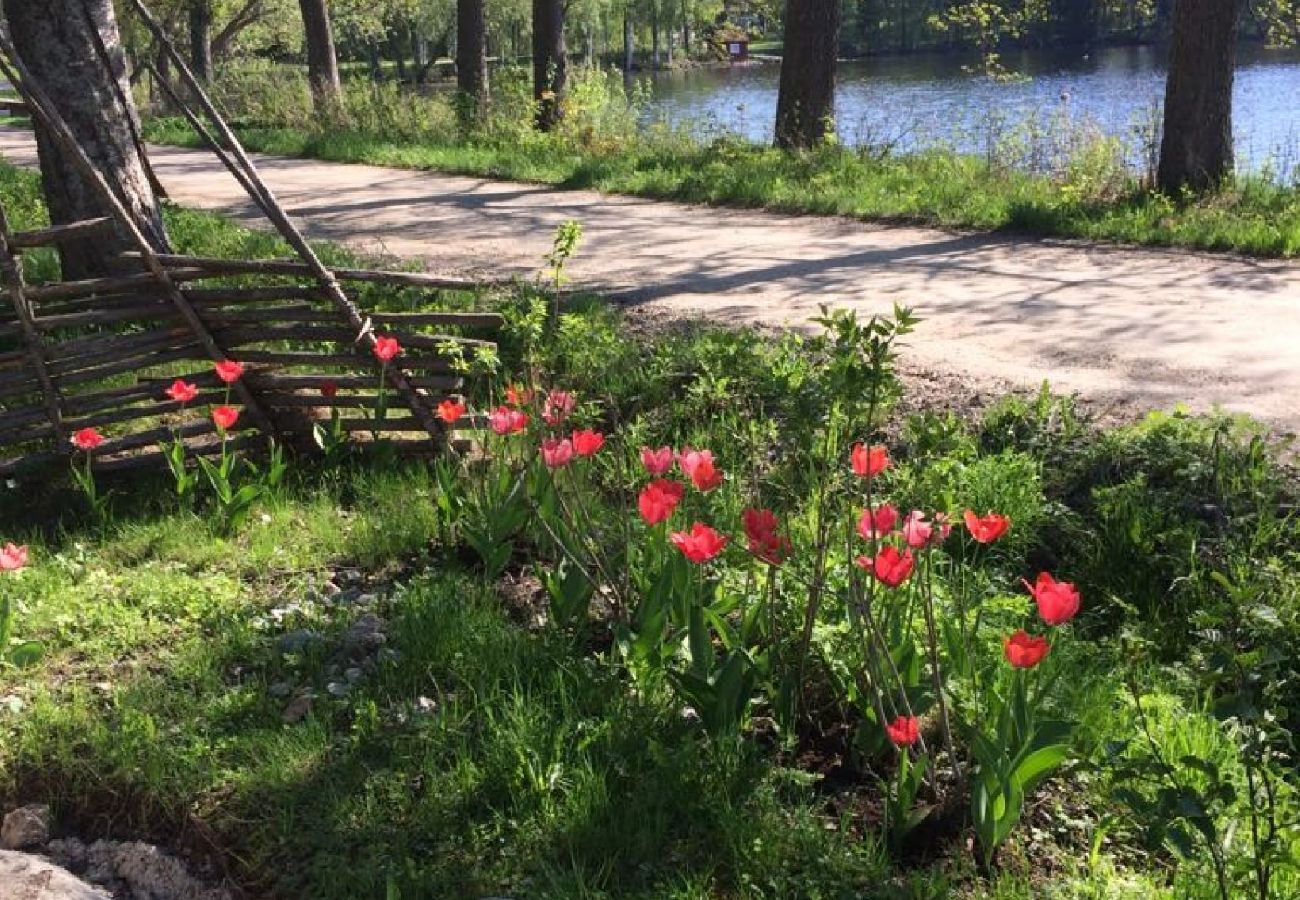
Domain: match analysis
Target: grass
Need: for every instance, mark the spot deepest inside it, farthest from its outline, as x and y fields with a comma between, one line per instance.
x=1086, y=191
x=477, y=755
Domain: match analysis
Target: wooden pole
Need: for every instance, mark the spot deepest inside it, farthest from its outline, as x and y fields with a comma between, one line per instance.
x=362, y=326
x=44, y=110
x=12, y=266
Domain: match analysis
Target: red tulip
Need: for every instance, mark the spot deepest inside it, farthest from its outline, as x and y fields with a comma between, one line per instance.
x=518, y=396
x=182, y=391
x=1023, y=651
x=986, y=529
x=868, y=462
x=890, y=567
x=450, y=411
x=700, y=544
x=904, y=731
x=764, y=541
x=12, y=557
x=386, y=348
x=225, y=417
x=329, y=389
x=587, y=442
x=557, y=453
x=557, y=407
x=87, y=439
x=1058, y=601
x=698, y=466
x=504, y=420
x=657, y=462
x=658, y=500
x=229, y=371
x=917, y=532
x=877, y=523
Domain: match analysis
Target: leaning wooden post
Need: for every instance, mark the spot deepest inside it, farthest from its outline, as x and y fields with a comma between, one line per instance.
x=58, y=129
x=197, y=124
x=12, y=268
x=365, y=333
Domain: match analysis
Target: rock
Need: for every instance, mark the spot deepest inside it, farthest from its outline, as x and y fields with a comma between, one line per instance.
x=26, y=877
x=345, y=597
x=26, y=827
x=151, y=873
x=365, y=636
x=67, y=852
x=280, y=690
x=337, y=689
x=353, y=675
x=426, y=707
x=296, y=641
x=297, y=709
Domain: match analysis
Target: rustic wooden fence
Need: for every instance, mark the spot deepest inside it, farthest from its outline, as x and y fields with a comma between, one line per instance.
x=101, y=352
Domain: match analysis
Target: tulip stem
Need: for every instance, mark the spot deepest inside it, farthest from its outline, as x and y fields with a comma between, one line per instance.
x=936, y=674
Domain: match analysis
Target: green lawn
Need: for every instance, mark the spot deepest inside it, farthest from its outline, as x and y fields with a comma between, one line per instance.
x=477, y=753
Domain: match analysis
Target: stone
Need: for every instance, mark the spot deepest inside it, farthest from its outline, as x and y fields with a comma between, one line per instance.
x=26, y=827
x=280, y=690
x=26, y=877
x=365, y=636
x=353, y=675
x=297, y=709
x=296, y=641
x=151, y=872
x=67, y=852
x=337, y=689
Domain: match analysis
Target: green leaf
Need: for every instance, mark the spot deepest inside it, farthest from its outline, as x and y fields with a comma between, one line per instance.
x=1038, y=764
x=701, y=644
x=28, y=653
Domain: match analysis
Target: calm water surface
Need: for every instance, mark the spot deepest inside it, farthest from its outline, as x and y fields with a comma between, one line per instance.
x=922, y=100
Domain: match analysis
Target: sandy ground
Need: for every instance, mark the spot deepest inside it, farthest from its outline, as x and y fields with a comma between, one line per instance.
x=1122, y=327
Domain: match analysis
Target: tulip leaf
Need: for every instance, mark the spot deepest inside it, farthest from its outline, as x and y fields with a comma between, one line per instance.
x=26, y=654
x=1038, y=764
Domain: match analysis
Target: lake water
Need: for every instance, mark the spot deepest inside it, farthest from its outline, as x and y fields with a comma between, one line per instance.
x=913, y=101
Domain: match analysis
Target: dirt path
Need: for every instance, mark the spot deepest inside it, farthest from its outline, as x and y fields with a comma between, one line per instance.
x=1123, y=326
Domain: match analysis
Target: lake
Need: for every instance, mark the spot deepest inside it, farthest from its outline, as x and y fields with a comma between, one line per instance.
x=913, y=101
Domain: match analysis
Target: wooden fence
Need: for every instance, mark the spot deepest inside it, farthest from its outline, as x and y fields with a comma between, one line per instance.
x=100, y=353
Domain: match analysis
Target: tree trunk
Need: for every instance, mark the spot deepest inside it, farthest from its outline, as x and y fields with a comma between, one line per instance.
x=74, y=52
x=322, y=64
x=550, y=62
x=806, y=101
x=654, y=35
x=629, y=45
x=471, y=57
x=201, y=39
x=1196, y=150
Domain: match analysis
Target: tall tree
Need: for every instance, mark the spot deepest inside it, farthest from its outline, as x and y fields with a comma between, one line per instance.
x=550, y=62
x=806, y=100
x=1196, y=150
x=629, y=47
x=322, y=63
x=201, y=39
x=73, y=50
x=471, y=56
